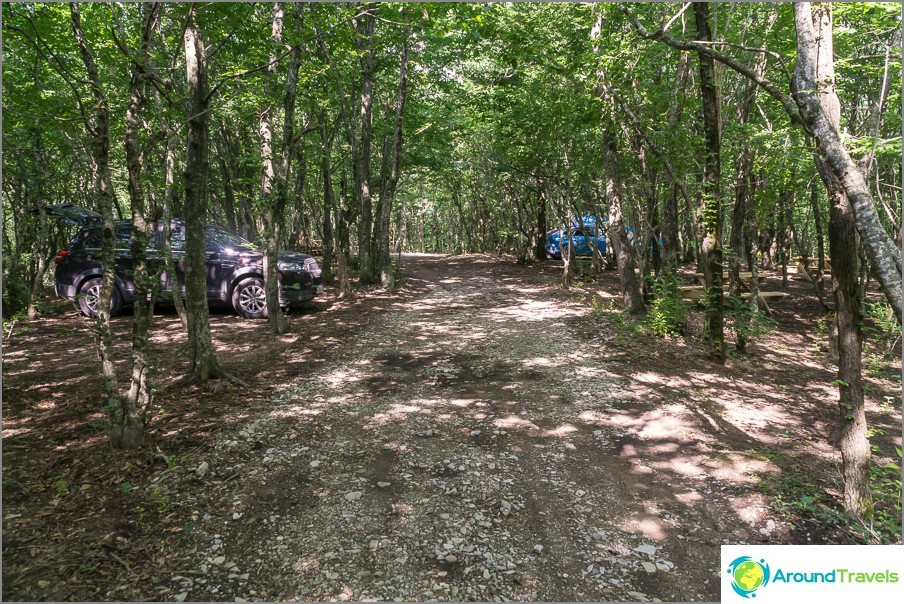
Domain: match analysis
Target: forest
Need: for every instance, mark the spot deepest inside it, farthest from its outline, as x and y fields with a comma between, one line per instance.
x=741, y=161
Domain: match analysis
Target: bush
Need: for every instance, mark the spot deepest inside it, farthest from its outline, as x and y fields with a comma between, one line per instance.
x=746, y=323
x=668, y=311
x=881, y=322
x=16, y=291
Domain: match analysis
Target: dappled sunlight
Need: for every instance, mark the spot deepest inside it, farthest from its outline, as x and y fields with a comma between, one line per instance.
x=511, y=422
x=689, y=498
x=340, y=377
x=649, y=524
x=559, y=432
x=531, y=310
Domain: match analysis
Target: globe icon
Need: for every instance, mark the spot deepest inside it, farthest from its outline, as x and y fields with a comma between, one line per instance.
x=749, y=575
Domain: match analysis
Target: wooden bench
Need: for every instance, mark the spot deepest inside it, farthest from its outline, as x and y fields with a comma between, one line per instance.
x=808, y=269
x=698, y=293
x=745, y=278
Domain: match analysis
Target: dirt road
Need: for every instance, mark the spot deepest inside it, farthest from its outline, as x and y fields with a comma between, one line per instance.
x=469, y=443
x=476, y=435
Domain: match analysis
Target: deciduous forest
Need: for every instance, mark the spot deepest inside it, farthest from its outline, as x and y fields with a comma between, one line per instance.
x=594, y=288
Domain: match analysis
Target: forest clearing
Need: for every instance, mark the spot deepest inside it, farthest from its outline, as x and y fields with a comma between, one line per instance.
x=445, y=301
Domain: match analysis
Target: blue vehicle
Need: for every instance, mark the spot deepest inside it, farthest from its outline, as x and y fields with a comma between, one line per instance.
x=583, y=234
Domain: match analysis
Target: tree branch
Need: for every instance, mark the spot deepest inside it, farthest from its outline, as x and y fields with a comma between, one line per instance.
x=786, y=100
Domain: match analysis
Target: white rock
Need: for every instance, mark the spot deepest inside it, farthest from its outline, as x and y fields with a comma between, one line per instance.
x=315, y=464
x=538, y=548
x=649, y=567
x=236, y=515
x=646, y=548
x=353, y=496
x=383, y=485
x=180, y=597
x=770, y=525
x=219, y=560
x=475, y=432
x=201, y=470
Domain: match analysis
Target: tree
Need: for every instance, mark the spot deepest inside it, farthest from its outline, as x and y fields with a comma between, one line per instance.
x=130, y=416
x=815, y=74
x=99, y=129
x=275, y=180
x=712, y=193
x=204, y=364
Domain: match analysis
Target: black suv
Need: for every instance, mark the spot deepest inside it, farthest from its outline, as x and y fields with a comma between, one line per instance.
x=234, y=267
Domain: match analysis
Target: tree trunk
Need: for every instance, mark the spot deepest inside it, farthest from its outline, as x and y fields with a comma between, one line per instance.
x=364, y=41
x=43, y=253
x=711, y=248
x=326, y=142
x=617, y=237
x=169, y=194
x=103, y=195
x=815, y=103
x=203, y=359
x=382, y=261
x=542, y=227
x=819, y=282
x=274, y=182
x=814, y=78
x=130, y=417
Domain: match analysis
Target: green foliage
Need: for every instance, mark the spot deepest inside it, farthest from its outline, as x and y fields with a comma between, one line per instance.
x=799, y=501
x=746, y=323
x=804, y=504
x=61, y=486
x=16, y=292
x=880, y=321
x=885, y=484
x=667, y=315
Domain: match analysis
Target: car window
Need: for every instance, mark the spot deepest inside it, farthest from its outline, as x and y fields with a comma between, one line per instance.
x=91, y=238
x=123, y=237
x=218, y=238
x=177, y=237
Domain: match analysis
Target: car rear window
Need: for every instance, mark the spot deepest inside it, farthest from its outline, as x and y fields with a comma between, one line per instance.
x=90, y=238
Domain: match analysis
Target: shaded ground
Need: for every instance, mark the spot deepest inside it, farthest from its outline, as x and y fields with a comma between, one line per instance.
x=478, y=435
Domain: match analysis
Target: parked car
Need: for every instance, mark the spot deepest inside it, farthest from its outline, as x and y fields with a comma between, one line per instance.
x=583, y=234
x=235, y=273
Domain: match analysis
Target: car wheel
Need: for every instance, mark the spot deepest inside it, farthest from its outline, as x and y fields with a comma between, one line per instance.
x=249, y=299
x=89, y=296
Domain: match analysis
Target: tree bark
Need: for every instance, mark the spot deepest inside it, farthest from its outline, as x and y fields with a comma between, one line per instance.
x=712, y=216
x=169, y=194
x=364, y=42
x=130, y=417
x=275, y=179
x=103, y=195
x=382, y=261
x=203, y=359
x=329, y=203
x=814, y=79
x=817, y=100
x=617, y=237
